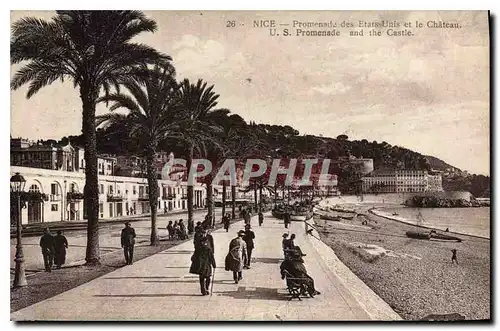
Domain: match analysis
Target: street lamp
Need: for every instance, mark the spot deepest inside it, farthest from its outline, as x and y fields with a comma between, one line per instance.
x=17, y=183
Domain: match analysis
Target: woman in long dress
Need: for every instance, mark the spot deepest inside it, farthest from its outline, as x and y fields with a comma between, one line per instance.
x=235, y=259
x=60, y=246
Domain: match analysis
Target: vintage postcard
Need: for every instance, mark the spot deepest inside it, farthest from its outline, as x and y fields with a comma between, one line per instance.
x=250, y=166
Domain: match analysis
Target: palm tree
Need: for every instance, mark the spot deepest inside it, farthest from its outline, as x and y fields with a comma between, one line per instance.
x=197, y=102
x=93, y=49
x=152, y=116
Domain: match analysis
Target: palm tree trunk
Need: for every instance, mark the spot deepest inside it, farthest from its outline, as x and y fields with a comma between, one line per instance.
x=255, y=196
x=190, y=192
x=275, y=194
x=233, y=201
x=223, y=198
x=210, y=200
x=153, y=193
x=91, y=189
x=260, y=198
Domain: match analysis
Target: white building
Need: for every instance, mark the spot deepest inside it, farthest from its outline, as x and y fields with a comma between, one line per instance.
x=389, y=181
x=118, y=196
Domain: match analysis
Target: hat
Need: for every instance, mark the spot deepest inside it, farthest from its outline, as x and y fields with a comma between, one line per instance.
x=198, y=223
x=285, y=235
x=247, y=225
x=241, y=232
x=127, y=223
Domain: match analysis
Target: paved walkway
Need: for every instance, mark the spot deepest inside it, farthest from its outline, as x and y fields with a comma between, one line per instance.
x=161, y=288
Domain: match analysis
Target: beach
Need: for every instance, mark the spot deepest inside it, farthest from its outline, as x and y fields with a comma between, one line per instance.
x=415, y=277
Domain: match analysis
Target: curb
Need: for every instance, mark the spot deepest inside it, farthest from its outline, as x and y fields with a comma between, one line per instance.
x=373, y=305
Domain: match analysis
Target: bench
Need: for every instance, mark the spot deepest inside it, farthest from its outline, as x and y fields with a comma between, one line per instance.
x=295, y=286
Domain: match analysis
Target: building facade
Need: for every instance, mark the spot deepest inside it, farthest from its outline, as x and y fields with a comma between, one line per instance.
x=394, y=181
x=118, y=196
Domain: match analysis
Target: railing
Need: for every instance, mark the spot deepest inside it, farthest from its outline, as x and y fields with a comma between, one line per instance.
x=143, y=197
x=168, y=197
x=55, y=197
x=114, y=197
x=74, y=196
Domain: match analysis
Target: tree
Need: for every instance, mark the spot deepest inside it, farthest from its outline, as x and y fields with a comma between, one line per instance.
x=152, y=116
x=196, y=103
x=93, y=49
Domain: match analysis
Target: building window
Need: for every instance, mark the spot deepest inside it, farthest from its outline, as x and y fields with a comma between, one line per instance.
x=110, y=189
x=53, y=189
x=133, y=190
x=101, y=189
x=53, y=207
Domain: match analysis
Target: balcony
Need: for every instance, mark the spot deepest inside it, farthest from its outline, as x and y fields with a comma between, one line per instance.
x=168, y=197
x=143, y=197
x=72, y=196
x=184, y=196
x=55, y=197
x=114, y=197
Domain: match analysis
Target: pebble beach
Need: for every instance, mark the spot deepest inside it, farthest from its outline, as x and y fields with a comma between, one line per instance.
x=415, y=277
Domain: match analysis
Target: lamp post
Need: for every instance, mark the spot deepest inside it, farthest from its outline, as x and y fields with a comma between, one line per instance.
x=17, y=183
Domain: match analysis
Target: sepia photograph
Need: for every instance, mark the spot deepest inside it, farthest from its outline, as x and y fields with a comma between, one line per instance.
x=271, y=166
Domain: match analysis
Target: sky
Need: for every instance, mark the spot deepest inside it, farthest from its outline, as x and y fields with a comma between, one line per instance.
x=428, y=92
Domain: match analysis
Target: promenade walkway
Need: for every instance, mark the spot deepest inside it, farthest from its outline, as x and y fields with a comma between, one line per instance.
x=160, y=288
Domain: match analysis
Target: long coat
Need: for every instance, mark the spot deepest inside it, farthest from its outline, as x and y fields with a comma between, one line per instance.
x=60, y=245
x=236, y=257
x=202, y=260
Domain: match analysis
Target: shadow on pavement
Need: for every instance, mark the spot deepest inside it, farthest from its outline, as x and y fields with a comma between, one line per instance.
x=260, y=293
x=145, y=277
x=267, y=260
x=159, y=295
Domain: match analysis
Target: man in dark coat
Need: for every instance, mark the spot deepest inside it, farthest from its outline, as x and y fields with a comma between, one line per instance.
x=202, y=262
x=248, y=237
x=47, y=245
x=182, y=230
x=261, y=218
x=286, y=219
x=226, y=221
x=60, y=246
x=128, y=242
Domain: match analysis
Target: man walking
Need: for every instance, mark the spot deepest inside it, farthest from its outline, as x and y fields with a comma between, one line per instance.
x=454, y=256
x=286, y=219
x=248, y=238
x=226, y=222
x=261, y=218
x=235, y=258
x=47, y=245
x=128, y=242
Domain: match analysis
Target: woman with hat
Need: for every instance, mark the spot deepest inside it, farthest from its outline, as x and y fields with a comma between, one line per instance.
x=235, y=258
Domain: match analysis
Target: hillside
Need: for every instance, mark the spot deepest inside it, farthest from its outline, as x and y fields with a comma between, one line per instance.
x=438, y=164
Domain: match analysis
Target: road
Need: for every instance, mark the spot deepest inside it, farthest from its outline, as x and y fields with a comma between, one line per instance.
x=109, y=239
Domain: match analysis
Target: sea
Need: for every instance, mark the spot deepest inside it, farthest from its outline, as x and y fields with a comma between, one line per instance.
x=473, y=221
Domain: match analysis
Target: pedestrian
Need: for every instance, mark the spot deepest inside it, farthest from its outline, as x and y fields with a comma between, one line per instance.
x=176, y=230
x=261, y=218
x=286, y=219
x=202, y=262
x=248, y=238
x=182, y=230
x=60, y=246
x=235, y=258
x=247, y=217
x=170, y=229
x=226, y=221
x=291, y=243
x=47, y=245
x=454, y=256
x=128, y=242
x=284, y=242
x=165, y=210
